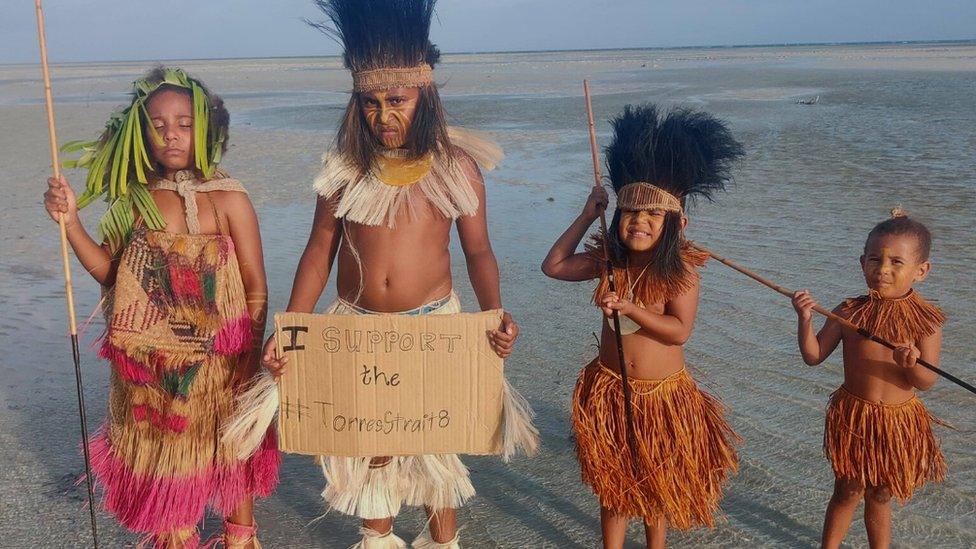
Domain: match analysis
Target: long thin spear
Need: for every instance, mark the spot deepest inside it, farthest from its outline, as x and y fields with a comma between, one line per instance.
x=597, y=182
x=56, y=166
x=836, y=318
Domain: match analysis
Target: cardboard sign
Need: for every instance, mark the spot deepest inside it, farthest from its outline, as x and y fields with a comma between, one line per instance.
x=389, y=385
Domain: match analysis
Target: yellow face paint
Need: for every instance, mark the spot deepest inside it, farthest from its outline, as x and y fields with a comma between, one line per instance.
x=390, y=113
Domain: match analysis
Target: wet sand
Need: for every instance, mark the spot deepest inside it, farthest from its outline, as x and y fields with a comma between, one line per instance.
x=895, y=125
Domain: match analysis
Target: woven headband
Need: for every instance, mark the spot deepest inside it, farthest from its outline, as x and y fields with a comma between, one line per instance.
x=393, y=77
x=644, y=196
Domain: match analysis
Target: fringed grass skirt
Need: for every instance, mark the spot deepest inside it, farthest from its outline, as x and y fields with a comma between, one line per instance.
x=889, y=445
x=156, y=480
x=356, y=486
x=685, y=447
x=178, y=329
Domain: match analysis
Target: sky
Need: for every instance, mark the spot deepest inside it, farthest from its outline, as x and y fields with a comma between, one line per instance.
x=110, y=30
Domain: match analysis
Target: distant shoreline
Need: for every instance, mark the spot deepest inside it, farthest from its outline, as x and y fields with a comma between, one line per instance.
x=959, y=42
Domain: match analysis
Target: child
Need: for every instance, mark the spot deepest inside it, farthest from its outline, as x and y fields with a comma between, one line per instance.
x=184, y=273
x=878, y=434
x=395, y=180
x=685, y=447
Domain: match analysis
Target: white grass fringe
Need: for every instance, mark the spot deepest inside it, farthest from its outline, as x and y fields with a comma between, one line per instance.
x=424, y=541
x=518, y=432
x=255, y=408
x=375, y=540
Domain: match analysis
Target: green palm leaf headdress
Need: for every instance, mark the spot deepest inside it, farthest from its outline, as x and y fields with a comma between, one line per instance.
x=119, y=160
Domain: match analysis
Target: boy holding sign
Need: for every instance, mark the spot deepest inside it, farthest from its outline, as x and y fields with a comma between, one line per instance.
x=395, y=180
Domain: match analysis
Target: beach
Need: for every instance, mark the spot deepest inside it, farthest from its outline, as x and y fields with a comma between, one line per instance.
x=894, y=126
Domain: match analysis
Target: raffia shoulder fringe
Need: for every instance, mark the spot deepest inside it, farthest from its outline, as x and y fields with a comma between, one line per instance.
x=367, y=200
x=905, y=319
x=877, y=444
x=649, y=289
x=686, y=447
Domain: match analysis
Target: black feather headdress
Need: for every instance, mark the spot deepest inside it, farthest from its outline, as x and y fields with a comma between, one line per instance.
x=382, y=34
x=657, y=163
x=687, y=153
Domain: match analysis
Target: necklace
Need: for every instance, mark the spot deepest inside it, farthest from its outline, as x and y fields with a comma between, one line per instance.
x=627, y=325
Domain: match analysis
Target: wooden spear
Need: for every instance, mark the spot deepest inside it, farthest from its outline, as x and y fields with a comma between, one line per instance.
x=841, y=320
x=597, y=182
x=72, y=328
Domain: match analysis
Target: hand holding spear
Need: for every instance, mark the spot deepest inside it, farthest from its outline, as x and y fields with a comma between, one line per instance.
x=597, y=182
x=836, y=318
x=72, y=327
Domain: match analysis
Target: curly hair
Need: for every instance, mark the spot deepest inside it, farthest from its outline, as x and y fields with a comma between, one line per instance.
x=901, y=225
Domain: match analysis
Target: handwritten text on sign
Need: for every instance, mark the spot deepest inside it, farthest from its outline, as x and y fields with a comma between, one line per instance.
x=377, y=385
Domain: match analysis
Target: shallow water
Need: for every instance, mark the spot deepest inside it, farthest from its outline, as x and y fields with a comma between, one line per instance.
x=894, y=126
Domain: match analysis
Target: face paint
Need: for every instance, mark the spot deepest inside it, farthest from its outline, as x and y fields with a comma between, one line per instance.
x=390, y=113
x=171, y=114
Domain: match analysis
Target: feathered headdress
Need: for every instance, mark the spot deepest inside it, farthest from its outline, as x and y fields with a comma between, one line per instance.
x=386, y=42
x=658, y=162
x=119, y=160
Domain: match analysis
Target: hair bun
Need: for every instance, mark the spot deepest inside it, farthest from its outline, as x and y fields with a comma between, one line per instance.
x=897, y=212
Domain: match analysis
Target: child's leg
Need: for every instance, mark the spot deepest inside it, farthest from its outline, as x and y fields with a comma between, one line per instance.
x=877, y=516
x=175, y=539
x=243, y=515
x=656, y=532
x=840, y=512
x=382, y=525
x=443, y=524
x=614, y=529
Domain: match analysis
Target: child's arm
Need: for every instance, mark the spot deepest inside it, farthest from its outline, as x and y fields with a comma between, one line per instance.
x=814, y=349
x=317, y=259
x=245, y=233
x=673, y=327
x=563, y=263
x=928, y=349
x=94, y=257
x=312, y=273
x=482, y=265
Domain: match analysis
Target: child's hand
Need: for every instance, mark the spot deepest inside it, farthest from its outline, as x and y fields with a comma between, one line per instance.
x=906, y=355
x=60, y=199
x=803, y=303
x=611, y=302
x=595, y=204
x=270, y=359
x=503, y=339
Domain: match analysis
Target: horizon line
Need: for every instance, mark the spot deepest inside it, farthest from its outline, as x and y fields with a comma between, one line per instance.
x=569, y=50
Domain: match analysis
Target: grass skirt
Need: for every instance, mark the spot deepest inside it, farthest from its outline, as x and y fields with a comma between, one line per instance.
x=876, y=444
x=178, y=333
x=685, y=447
x=356, y=487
